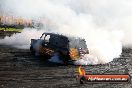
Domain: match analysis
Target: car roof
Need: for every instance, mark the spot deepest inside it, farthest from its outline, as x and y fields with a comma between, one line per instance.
x=54, y=34
x=60, y=35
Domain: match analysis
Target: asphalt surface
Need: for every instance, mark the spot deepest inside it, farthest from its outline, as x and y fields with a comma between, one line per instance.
x=19, y=69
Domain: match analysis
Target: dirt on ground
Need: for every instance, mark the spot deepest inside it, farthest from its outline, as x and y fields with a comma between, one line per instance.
x=19, y=69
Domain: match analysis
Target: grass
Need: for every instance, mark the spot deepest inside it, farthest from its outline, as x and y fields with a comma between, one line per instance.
x=11, y=29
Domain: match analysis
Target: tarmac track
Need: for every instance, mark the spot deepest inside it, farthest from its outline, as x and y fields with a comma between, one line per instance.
x=19, y=69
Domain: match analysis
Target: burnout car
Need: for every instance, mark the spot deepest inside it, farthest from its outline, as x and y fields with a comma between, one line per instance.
x=67, y=48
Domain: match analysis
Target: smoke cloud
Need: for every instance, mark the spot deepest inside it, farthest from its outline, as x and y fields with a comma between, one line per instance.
x=106, y=25
x=22, y=40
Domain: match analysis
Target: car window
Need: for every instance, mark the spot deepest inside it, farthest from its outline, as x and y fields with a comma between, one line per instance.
x=47, y=37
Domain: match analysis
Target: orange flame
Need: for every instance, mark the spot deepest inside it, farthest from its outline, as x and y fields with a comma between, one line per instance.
x=74, y=54
x=82, y=71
